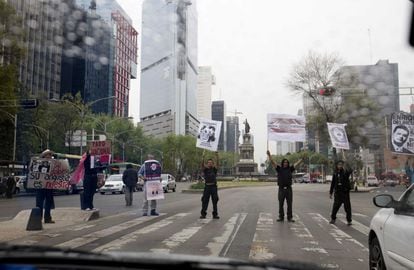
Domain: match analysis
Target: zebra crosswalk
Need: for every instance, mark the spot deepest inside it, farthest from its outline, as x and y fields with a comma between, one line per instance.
x=252, y=236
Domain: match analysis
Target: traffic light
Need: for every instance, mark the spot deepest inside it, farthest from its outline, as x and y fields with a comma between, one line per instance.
x=326, y=91
x=29, y=103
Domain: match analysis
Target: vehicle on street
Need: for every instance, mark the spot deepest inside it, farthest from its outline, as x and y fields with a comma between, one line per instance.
x=391, y=182
x=113, y=184
x=306, y=179
x=372, y=181
x=168, y=182
x=320, y=180
x=392, y=231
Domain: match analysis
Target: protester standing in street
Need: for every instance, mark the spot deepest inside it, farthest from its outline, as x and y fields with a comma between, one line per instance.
x=150, y=171
x=284, y=181
x=130, y=179
x=90, y=182
x=341, y=186
x=11, y=186
x=210, y=187
x=44, y=197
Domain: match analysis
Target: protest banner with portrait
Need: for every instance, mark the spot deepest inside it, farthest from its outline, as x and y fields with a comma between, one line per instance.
x=208, y=134
x=402, y=133
x=338, y=136
x=285, y=127
x=49, y=174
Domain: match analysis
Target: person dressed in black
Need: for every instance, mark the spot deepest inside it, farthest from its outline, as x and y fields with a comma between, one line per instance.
x=44, y=197
x=130, y=179
x=90, y=182
x=210, y=188
x=284, y=181
x=341, y=186
x=11, y=186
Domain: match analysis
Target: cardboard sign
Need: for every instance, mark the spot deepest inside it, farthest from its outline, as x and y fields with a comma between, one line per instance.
x=48, y=174
x=154, y=190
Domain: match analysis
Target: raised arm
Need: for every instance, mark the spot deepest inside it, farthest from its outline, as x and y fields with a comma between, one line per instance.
x=217, y=160
x=202, y=165
x=274, y=164
x=298, y=162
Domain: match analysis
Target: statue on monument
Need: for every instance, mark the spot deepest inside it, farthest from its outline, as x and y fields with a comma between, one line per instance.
x=246, y=127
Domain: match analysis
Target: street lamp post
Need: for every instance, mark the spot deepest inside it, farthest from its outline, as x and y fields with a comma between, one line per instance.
x=82, y=114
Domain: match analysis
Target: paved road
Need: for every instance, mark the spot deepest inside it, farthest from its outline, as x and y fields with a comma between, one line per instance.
x=246, y=230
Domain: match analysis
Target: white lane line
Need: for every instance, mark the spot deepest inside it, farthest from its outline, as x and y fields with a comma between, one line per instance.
x=231, y=228
x=356, y=225
x=89, y=238
x=260, y=250
x=82, y=227
x=180, y=237
x=339, y=235
x=131, y=237
x=302, y=231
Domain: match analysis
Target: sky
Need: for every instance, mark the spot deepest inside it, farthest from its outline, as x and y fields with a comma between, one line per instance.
x=252, y=45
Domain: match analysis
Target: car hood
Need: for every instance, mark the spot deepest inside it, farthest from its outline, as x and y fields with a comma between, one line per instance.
x=54, y=256
x=113, y=182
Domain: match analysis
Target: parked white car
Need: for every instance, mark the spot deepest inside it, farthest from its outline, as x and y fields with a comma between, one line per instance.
x=168, y=182
x=391, y=237
x=372, y=181
x=113, y=184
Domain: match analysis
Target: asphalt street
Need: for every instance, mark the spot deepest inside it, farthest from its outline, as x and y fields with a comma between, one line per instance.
x=247, y=228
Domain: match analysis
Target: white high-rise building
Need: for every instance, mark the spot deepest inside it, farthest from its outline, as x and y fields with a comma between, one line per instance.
x=169, y=67
x=204, y=90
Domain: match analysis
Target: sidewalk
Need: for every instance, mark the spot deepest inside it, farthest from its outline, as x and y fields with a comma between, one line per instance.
x=16, y=228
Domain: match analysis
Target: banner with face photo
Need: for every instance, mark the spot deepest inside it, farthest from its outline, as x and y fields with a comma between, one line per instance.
x=208, y=134
x=285, y=127
x=48, y=174
x=402, y=133
x=338, y=135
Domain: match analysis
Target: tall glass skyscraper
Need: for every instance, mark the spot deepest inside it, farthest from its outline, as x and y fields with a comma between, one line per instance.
x=169, y=67
x=103, y=58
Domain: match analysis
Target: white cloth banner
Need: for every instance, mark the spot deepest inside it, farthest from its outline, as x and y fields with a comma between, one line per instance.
x=338, y=136
x=154, y=190
x=285, y=127
x=208, y=134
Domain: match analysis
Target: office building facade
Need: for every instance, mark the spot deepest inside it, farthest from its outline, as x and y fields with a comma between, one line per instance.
x=108, y=57
x=169, y=68
x=40, y=67
x=218, y=113
x=204, y=91
x=232, y=134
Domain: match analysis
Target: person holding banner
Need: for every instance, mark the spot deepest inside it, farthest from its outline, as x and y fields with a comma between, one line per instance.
x=341, y=185
x=150, y=173
x=44, y=197
x=284, y=181
x=210, y=187
x=90, y=181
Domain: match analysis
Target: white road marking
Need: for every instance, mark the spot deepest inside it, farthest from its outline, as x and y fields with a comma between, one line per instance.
x=260, y=250
x=82, y=227
x=181, y=237
x=356, y=225
x=302, y=231
x=89, y=238
x=131, y=237
x=231, y=228
x=339, y=235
